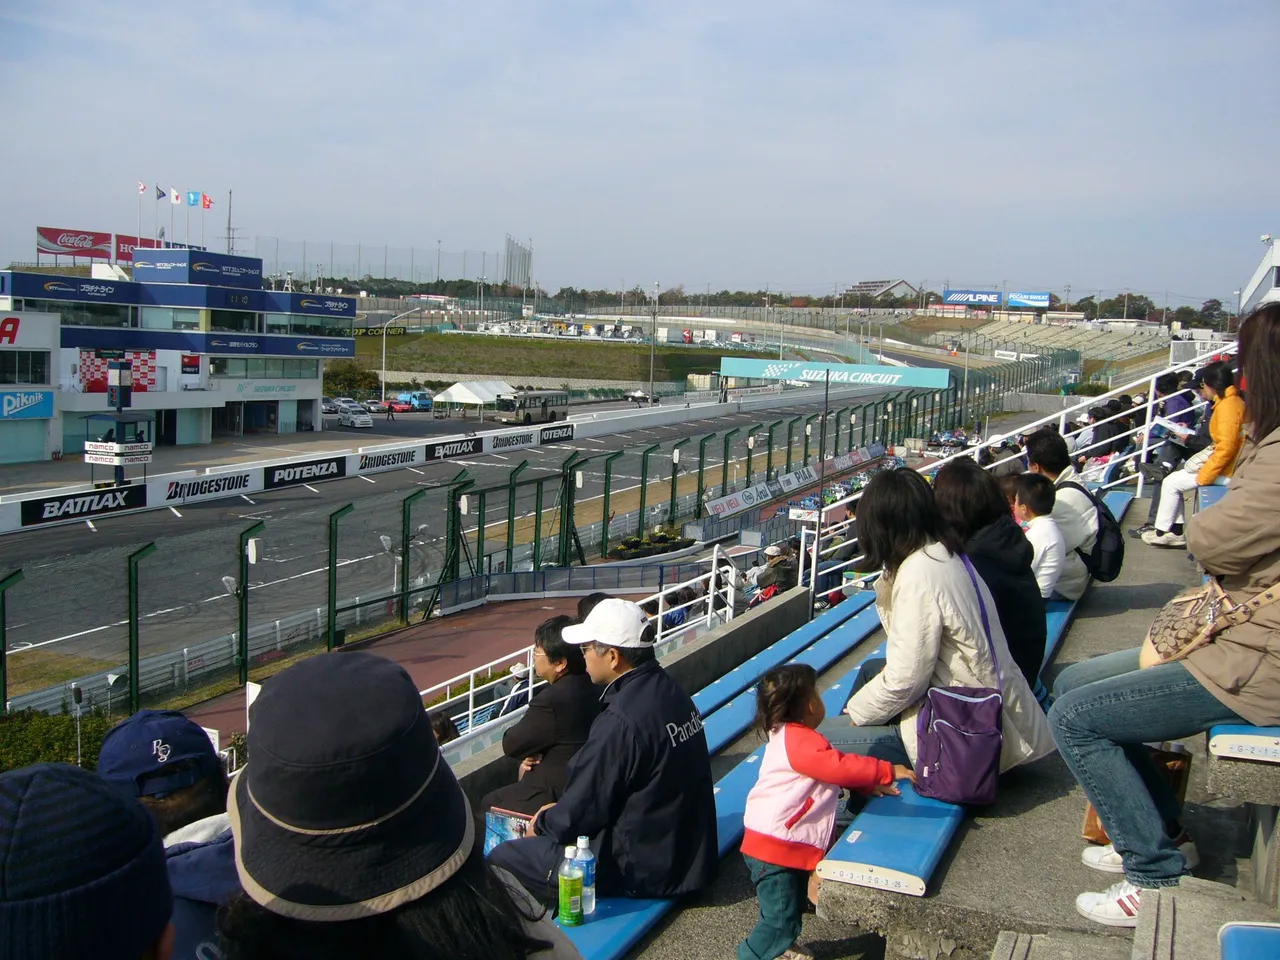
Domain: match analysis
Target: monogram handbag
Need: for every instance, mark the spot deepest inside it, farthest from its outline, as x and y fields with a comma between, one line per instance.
x=1192, y=619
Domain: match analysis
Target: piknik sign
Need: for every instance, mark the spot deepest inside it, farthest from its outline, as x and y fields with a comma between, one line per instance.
x=842, y=374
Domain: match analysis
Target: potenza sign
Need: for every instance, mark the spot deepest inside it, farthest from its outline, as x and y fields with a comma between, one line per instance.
x=82, y=506
x=452, y=449
x=561, y=431
x=293, y=474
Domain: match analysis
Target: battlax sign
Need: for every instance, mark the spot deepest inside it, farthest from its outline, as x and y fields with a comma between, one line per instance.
x=450, y=449
x=82, y=506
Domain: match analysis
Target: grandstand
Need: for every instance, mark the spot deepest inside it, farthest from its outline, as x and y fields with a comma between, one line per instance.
x=1092, y=341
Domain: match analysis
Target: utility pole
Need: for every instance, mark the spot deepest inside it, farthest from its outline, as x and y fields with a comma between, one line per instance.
x=653, y=339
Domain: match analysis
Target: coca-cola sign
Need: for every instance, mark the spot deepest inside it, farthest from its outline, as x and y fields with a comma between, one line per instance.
x=125, y=245
x=57, y=241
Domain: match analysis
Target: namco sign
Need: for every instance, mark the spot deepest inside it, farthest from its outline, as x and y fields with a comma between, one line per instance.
x=37, y=331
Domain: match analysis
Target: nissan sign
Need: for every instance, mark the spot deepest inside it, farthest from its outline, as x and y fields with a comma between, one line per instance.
x=451, y=449
x=82, y=506
x=293, y=474
x=972, y=298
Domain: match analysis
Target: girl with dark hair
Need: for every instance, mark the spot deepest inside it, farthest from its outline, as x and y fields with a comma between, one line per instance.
x=791, y=811
x=1226, y=427
x=932, y=611
x=974, y=508
x=556, y=724
x=1109, y=706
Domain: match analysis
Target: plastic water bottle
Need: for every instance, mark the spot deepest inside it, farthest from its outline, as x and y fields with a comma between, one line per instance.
x=570, y=889
x=587, y=860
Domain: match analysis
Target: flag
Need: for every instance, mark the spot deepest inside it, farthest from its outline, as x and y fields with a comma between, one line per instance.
x=161, y=236
x=174, y=195
x=160, y=194
x=206, y=201
x=193, y=198
x=142, y=188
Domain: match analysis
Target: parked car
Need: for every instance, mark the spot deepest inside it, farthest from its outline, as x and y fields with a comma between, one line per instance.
x=346, y=402
x=375, y=406
x=400, y=406
x=355, y=416
x=327, y=405
x=640, y=398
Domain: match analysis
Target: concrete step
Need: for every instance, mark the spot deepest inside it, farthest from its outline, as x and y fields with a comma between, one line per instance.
x=1182, y=922
x=1059, y=945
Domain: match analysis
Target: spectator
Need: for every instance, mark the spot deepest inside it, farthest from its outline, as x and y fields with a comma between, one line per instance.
x=936, y=637
x=353, y=837
x=973, y=510
x=1226, y=427
x=84, y=872
x=640, y=786
x=1073, y=511
x=444, y=728
x=791, y=811
x=1035, y=508
x=780, y=569
x=1169, y=455
x=169, y=764
x=554, y=727
x=588, y=603
x=514, y=693
x=1009, y=490
x=1108, y=707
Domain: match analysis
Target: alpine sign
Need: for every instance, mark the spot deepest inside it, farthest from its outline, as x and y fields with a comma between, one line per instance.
x=972, y=298
x=843, y=374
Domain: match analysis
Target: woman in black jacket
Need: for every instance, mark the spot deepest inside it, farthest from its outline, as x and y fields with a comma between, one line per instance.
x=556, y=724
x=972, y=505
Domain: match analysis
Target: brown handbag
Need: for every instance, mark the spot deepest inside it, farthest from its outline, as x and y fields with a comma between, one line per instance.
x=1192, y=619
x=1173, y=761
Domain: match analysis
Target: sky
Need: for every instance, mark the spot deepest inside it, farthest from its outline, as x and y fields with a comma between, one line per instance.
x=730, y=143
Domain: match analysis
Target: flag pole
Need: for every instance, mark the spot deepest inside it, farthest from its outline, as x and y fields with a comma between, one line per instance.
x=155, y=222
x=202, y=219
x=171, y=216
x=138, y=241
x=186, y=231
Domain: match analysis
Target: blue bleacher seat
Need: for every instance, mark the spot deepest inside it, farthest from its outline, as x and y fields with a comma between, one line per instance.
x=1206, y=497
x=1249, y=941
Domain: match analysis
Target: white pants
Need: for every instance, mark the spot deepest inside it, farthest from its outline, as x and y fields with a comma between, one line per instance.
x=1171, y=490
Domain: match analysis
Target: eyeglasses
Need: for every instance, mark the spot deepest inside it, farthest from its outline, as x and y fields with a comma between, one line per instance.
x=539, y=652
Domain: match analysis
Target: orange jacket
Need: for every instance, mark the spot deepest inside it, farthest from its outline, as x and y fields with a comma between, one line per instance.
x=1226, y=427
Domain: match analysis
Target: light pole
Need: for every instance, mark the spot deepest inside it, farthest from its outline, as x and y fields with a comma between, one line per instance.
x=653, y=339
x=384, y=348
x=437, y=261
x=5, y=584
x=242, y=591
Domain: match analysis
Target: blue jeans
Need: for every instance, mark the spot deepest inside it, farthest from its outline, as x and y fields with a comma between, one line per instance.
x=1104, y=711
x=781, y=893
x=882, y=741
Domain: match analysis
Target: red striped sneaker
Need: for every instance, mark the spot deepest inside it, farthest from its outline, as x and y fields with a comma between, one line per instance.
x=1117, y=906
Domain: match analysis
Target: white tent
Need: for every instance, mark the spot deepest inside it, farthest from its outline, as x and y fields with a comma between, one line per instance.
x=474, y=393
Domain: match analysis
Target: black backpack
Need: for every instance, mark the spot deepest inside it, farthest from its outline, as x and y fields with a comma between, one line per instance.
x=1107, y=557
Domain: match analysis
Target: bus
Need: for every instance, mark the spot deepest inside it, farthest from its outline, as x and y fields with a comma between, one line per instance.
x=533, y=406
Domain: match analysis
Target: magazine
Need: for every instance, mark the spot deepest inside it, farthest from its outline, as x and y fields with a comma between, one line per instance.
x=502, y=825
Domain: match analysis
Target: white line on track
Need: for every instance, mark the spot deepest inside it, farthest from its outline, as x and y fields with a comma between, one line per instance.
x=417, y=471
x=367, y=480
x=175, y=512
x=311, y=488
x=91, y=526
x=499, y=456
x=246, y=499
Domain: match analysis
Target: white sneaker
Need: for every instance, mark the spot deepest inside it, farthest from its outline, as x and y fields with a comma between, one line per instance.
x=1108, y=861
x=1117, y=906
x=1155, y=538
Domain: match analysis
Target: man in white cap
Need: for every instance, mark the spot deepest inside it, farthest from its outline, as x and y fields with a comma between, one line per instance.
x=640, y=786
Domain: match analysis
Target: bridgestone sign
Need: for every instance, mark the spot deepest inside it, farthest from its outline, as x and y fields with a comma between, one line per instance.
x=385, y=461
x=511, y=441
x=293, y=474
x=82, y=506
x=211, y=486
x=454, y=448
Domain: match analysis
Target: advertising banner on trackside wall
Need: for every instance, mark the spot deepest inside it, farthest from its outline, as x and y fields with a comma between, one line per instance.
x=842, y=374
x=1039, y=301
x=972, y=298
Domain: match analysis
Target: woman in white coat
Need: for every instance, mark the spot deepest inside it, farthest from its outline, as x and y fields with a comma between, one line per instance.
x=931, y=615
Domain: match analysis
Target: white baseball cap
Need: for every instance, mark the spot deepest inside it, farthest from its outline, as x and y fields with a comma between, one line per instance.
x=613, y=622
x=773, y=551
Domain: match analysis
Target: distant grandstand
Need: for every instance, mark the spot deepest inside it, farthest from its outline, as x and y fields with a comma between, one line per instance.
x=1094, y=341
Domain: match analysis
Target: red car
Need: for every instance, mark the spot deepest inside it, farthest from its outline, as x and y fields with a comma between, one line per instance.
x=400, y=406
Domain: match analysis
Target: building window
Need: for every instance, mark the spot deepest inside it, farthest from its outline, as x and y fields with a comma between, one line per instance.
x=234, y=321
x=307, y=326
x=264, y=368
x=83, y=314
x=24, y=366
x=277, y=323
x=170, y=318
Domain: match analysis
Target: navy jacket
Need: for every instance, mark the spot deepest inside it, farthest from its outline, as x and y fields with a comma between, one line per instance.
x=203, y=875
x=1002, y=555
x=641, y=788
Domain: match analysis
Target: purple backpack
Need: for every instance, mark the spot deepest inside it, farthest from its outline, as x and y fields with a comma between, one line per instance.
x=958, y=733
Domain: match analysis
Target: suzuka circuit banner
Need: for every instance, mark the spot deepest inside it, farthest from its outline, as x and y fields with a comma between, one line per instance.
x=842, y=374
x=73, y=243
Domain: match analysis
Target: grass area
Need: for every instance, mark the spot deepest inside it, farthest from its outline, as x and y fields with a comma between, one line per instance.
x=516, y=357
x=926, y=325
x=40, y=669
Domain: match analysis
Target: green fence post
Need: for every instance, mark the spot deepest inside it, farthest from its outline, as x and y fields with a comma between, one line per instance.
x=751, y=446
x=511, y=513
x=537, y=527
x=565, y=544
x=791, y=426
x=134, y=559
x=724, y=466
x=768, y=463
x=644, y=487
x=675, y=472
x=608, y=483
x=242, y=597
x=5, y=584
x=482, y=498
x=406, y=537
x=808, y=432
x=841, y=417
x=454, y=531
x=331, y=635
x=702, y=463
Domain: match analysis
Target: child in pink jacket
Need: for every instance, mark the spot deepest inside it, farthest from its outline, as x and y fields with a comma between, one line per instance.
x=791, y=811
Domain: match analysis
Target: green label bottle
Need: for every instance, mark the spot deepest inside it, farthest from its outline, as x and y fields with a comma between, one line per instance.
x=570, y=912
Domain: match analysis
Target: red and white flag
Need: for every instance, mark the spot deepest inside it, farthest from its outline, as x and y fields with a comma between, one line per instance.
x=142, y=188
x=174, y=196
x=206, y=201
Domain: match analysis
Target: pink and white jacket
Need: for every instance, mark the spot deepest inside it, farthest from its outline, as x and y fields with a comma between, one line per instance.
x=791, y=810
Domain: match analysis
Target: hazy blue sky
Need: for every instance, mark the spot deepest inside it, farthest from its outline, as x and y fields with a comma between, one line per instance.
x=800, y=144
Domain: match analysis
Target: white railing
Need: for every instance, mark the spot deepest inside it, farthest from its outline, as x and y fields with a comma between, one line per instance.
x=478, y=706
x=815, y=546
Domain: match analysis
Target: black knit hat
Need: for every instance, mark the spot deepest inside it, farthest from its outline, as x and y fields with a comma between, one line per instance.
x=347, y=809
x=84, y=870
